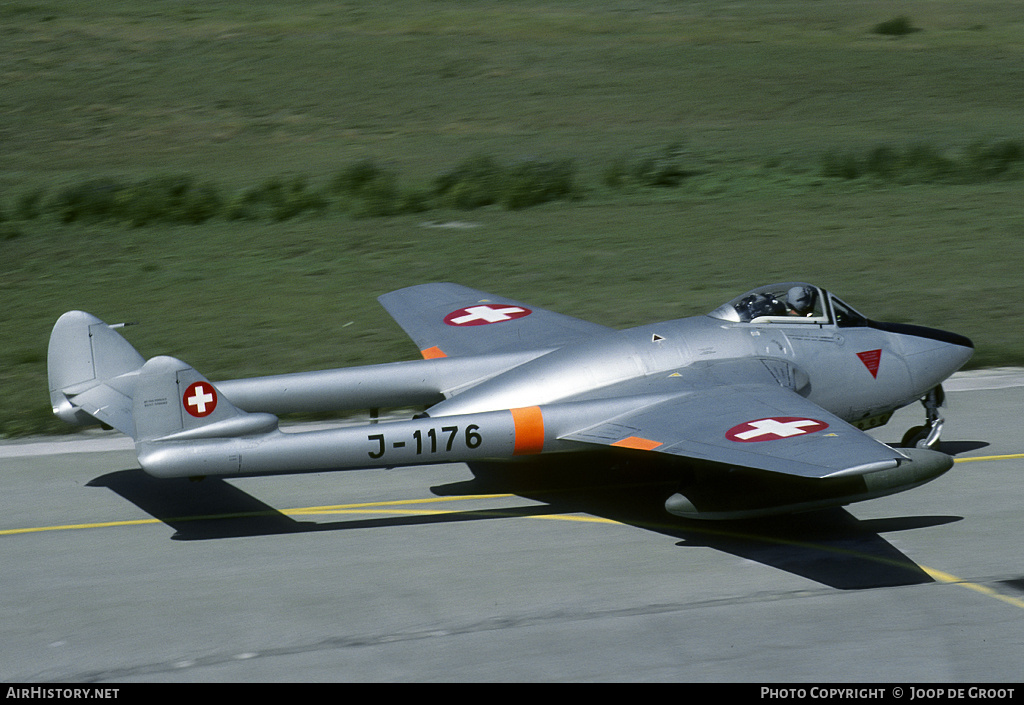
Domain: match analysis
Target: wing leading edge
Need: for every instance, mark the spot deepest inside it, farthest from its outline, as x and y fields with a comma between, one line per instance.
x=756, y=426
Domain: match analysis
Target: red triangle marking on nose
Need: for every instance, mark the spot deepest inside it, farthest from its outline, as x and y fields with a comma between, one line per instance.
x=871, y=359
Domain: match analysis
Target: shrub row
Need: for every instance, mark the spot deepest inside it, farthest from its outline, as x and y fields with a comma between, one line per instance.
x=363, y=189
x=481, y=181
x=367, y=189
x=925, y=163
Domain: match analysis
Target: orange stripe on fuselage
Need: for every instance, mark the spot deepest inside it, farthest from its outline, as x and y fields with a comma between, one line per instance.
x=529, y=430
x=432, y=353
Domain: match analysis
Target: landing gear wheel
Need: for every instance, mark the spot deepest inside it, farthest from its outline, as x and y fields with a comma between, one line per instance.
x=915, y=437
x=928, y=435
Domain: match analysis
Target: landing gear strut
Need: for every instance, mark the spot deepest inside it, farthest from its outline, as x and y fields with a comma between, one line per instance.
x=928, y=435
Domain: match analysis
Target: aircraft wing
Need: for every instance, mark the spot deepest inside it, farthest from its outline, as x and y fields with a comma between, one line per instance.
x=760, y=426
x=450, y=320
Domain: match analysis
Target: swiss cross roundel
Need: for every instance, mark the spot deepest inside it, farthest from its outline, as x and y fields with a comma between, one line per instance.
x=200, y=399
x=483, y=314
x=772, y=429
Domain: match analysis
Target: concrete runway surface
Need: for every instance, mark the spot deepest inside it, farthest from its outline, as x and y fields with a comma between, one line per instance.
x=534, y=573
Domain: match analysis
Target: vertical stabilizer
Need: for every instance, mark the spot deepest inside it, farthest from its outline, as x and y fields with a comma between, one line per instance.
x=174, y=402
x=91, y=369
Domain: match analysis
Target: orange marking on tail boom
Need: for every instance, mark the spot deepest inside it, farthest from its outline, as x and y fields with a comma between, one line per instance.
x=529, y=430
x=432, y=353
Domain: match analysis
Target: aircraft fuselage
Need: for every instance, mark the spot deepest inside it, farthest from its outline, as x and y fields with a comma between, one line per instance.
x=859, y=373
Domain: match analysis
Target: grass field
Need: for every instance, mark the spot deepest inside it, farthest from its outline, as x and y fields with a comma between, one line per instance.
x=755, y=92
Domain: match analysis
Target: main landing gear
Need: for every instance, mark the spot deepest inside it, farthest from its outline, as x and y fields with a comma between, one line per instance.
x=928, y=435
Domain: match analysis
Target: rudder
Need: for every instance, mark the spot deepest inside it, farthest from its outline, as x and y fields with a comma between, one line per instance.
x=91, y=371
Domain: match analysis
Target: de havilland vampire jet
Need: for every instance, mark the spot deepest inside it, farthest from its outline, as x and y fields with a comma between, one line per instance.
x=761, y=404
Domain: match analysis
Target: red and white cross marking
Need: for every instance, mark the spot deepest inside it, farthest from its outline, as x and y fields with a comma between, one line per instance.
x=200, y=399
x=772, y=429
x=482, y=314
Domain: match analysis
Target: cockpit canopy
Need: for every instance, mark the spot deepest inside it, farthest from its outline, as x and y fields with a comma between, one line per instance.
x=789, y=303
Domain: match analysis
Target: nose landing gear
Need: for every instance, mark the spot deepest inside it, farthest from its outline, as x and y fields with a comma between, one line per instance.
x=928, y=435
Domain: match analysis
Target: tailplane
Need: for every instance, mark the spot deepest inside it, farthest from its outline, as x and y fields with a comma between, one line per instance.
x=96, y=375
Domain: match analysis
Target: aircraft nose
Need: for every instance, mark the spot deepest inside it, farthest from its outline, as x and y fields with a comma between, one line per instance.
x=933, y=355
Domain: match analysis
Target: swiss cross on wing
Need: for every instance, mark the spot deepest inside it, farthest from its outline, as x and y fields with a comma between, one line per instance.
x=773, y=429
x=483, y=314
x=200, y=399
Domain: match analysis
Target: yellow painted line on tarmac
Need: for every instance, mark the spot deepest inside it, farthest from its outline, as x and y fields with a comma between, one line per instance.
x=68, y=527
x=940, y=576
x=980, y=458
x=400, y=502
x=359, y=508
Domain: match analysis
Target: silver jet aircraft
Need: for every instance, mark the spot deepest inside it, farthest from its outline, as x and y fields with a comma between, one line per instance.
x=761, y=404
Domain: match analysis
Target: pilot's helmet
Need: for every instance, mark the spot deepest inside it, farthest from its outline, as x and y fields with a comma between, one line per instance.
x=801, y=299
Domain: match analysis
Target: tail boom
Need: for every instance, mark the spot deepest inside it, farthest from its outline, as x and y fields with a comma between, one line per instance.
x=488, y=435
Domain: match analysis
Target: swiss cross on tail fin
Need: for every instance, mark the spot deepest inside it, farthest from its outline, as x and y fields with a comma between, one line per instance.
x=871, y=360
x=200, y=399
x=174, y=402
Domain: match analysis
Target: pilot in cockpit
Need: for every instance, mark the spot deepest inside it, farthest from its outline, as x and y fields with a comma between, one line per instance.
x=800, y=301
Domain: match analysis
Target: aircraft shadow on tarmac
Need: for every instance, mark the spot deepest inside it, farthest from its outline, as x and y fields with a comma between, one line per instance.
x=831, y=546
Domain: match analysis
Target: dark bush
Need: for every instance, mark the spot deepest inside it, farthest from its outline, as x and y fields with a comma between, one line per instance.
x=840, y=165
x=357, y=178
x=377, y=198
x=616, y=173
x=990, y=161
x=29, y=205
x=475, y=183
x=896, y=27
x=91, y=200
x=294, y=198
x=481, y=181
x=201, y=203
x=168, y=199
x=882, y=162
x=925, y=163
x=531, y=183
x=366, y=190
x=277, y=198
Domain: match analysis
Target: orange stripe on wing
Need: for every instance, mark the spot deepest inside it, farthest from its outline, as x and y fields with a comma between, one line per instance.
x=637, y=443
x=432, y=353
x=529, y=430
